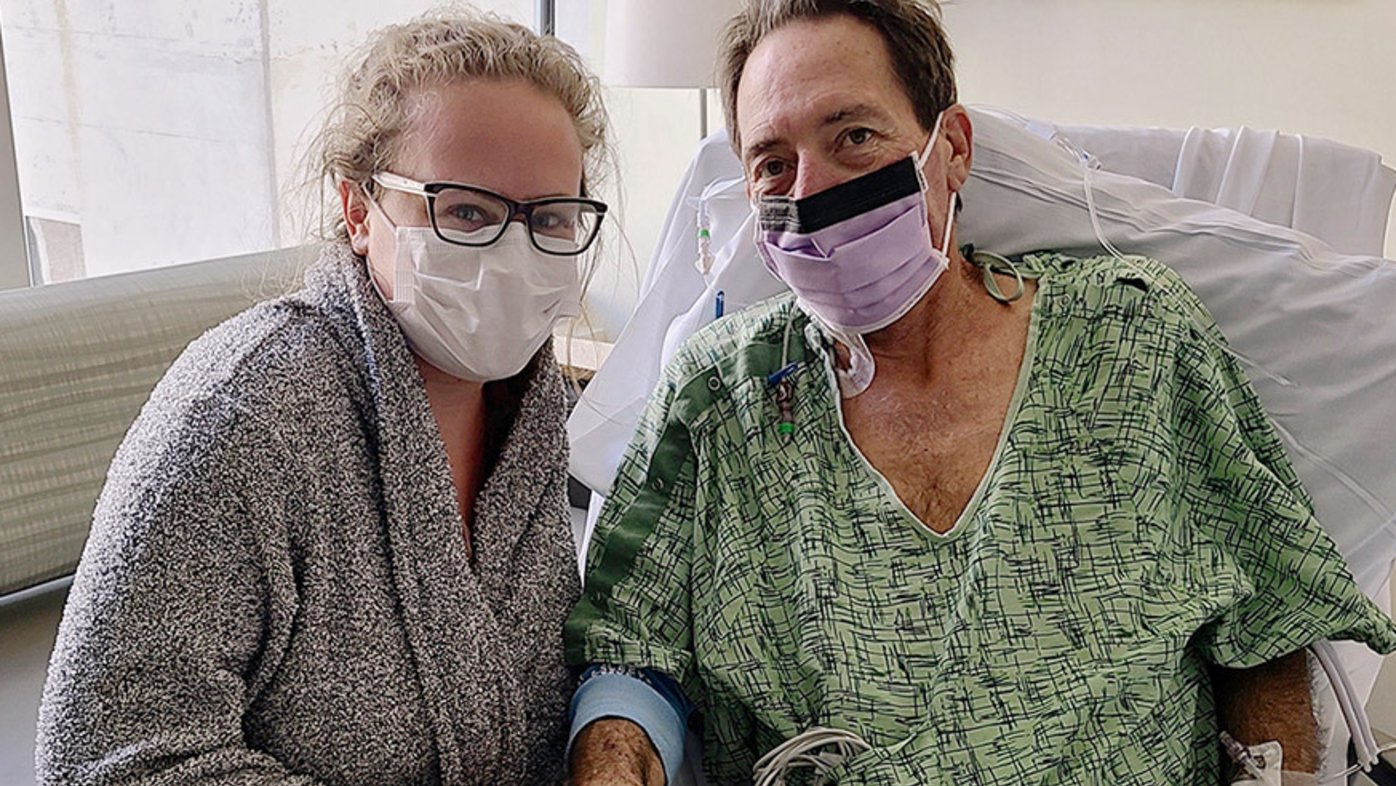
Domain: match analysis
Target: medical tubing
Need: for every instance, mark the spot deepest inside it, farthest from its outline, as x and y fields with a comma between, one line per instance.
x=705, y=239
x=1095, y=216
x=1089, y=187
x=1353, y=713
x=785, y=342
x=799, y=752
x=1337, y=776
x=1242, y=756
x=1345, y=703
x=1337, y=472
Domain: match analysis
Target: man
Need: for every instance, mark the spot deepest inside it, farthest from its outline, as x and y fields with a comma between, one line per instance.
x=993, y=521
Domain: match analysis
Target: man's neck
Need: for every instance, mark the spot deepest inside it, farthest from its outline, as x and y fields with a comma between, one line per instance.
x=945, y=323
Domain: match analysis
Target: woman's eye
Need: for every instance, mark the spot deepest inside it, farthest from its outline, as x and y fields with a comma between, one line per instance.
x=552, y=221
x=467, y=213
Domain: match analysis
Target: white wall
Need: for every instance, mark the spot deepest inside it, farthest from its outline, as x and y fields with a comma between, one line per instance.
x=1299, y=66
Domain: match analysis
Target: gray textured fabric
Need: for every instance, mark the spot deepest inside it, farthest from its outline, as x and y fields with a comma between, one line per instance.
x=77, y=360
x=276, y=589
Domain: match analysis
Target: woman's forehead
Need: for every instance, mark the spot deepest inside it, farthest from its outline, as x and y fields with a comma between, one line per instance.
x=508, y=136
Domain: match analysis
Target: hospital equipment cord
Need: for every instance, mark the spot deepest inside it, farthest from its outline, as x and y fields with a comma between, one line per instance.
x=802, y=752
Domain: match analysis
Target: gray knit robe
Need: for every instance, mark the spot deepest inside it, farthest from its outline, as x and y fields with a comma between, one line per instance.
x=276, y=588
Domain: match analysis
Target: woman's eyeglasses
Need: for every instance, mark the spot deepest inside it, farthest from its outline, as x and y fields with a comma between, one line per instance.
x=472, y=216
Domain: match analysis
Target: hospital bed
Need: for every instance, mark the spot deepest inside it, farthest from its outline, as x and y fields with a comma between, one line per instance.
x=1281, y=236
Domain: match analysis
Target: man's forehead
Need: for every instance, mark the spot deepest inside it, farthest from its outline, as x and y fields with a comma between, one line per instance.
x=809, y=71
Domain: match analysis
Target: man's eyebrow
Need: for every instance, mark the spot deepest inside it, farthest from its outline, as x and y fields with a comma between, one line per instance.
x=840, y=115
x=854, y=112
x=757, y=148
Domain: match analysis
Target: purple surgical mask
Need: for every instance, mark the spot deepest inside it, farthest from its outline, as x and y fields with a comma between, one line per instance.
x=859, y=255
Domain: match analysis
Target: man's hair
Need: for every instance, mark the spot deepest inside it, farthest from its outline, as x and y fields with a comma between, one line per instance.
x=911, y=30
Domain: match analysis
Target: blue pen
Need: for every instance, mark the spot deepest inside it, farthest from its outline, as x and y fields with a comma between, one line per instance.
x=717, y=307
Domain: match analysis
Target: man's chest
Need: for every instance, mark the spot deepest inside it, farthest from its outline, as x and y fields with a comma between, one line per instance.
x=934, y=454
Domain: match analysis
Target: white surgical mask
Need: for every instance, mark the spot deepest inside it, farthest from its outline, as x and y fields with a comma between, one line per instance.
x=479, y=314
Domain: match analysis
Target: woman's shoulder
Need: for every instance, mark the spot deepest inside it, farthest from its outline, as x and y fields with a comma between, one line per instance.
x=279, y=348
x=277, y=368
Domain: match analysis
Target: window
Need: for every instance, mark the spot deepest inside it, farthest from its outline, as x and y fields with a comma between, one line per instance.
x=157, y=132
x=54, y=249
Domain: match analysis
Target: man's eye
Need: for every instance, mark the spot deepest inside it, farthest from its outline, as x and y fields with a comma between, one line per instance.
x=859, y=136
x=771, y=168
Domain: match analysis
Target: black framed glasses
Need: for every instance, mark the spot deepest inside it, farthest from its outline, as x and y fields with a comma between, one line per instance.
x=472, y=216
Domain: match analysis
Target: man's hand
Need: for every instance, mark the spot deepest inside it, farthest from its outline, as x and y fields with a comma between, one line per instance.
x=1272, y=701
x=615, y=752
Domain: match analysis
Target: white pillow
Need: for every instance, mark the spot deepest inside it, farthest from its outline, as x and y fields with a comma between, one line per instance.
x=1313, y=326
x=1337, y=193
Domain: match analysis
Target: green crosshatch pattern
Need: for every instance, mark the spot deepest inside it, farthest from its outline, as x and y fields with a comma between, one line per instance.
x=1139, y=520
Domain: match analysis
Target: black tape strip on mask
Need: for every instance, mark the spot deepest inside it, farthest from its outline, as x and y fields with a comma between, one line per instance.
x=841, y=202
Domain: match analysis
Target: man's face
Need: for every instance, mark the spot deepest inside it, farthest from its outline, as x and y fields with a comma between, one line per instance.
x=819, y=104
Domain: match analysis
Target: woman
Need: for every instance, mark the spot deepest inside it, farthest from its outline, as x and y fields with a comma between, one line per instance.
x=334, y=546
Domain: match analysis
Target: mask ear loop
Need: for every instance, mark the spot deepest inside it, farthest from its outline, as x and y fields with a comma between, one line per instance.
x=920, y=160
x=404, y=286
x=949, y=224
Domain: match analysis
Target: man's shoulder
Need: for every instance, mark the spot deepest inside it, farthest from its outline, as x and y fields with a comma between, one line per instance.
x=1107, y=288
x=752, y=339
x=1105, y=271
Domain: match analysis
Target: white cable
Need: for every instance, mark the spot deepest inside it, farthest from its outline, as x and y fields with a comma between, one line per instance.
x=1353, y=713
x=1364, y=742
x=1345, y=704
x=798, y=752
x=1356, y=767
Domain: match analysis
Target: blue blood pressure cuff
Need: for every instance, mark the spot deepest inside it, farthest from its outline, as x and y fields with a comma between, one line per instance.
x=647, y=698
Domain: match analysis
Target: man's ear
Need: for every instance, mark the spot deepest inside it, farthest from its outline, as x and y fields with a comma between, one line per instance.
x=354, y=203
x=959, y=132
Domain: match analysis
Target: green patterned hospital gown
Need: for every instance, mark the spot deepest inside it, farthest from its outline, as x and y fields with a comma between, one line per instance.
x=1138, y=521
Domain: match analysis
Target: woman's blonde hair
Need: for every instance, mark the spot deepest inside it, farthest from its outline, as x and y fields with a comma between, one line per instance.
x=371, y=111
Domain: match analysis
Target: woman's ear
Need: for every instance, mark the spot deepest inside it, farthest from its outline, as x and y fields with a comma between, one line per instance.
x=355, y=205
x=959, y=132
